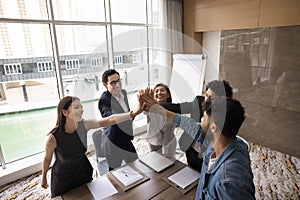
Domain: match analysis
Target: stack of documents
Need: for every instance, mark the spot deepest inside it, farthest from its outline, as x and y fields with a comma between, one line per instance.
x=184, y=177
x=127, y=175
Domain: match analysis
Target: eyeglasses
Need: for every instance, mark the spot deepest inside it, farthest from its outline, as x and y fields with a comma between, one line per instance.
x=115, y=82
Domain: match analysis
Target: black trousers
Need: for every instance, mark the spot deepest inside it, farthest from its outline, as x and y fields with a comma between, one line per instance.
x=116, y=154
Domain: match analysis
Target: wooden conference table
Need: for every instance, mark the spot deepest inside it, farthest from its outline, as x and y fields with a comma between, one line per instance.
x=154, y=188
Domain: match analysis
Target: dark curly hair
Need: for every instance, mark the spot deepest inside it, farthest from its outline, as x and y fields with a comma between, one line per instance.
x=220, y=88
x=107, y=73
x=227, y=113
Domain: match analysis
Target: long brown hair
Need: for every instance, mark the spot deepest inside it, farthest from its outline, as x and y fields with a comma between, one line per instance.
x=64, y=104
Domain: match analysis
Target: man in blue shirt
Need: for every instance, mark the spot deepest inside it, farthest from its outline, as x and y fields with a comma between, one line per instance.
x=193, y=150
x=226, y=172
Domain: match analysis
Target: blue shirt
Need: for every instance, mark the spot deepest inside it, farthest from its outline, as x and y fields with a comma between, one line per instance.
x=190, y=126
x=230, y=177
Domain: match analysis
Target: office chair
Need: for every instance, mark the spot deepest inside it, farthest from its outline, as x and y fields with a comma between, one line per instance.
x=99, y=139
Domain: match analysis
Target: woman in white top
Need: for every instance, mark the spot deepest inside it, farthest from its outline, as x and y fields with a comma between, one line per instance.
x=160, y=133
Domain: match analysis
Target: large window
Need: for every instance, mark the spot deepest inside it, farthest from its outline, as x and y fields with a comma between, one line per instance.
x=133, y=11
x=44, y=57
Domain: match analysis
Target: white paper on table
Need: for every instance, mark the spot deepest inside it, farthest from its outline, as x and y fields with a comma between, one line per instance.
x=184, y=177
x=127, y=175
x=101, y=188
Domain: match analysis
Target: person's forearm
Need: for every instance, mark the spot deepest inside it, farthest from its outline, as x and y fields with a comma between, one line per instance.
x=45, y=167
x=171, y=107
x=189, y=125
x=115, y=119
x=181, y=108
x=170, y=115
x=118, y=118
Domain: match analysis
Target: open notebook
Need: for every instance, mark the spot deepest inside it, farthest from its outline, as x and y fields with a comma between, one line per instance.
x=156, y=161
x=127, y=175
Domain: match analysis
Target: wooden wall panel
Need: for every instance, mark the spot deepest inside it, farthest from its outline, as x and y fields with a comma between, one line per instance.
x=212, y=15
x=188, y=4
x=188, y=27
x=199, y=38
x=187, y=47
x=192, y=42
x=189, y=21
x=215, y=3
x=243, y=14
x=279, y=13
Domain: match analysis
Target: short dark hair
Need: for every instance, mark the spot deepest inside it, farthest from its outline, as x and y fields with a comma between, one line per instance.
x=227, y=113
x=220, y=88
x=108, y=73
x=169, y=100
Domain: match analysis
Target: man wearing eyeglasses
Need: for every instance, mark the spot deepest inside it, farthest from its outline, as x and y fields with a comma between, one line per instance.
x=119, y=146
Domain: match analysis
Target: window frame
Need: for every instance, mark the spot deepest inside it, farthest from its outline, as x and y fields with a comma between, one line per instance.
x=56, y=65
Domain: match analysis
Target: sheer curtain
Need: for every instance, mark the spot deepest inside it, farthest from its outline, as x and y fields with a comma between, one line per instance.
x=168, y=38
x=173, y=22
x=173, y=17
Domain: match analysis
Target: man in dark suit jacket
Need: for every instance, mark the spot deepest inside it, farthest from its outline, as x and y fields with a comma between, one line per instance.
x=119, y=146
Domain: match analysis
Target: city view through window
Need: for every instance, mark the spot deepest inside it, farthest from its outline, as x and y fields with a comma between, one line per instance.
x=50, y=49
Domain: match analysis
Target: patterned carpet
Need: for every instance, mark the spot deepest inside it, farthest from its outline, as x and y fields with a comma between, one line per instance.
x=276, y=175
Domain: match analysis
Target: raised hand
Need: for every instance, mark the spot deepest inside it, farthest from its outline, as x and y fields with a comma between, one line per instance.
x=147, y=97
x=141, y=105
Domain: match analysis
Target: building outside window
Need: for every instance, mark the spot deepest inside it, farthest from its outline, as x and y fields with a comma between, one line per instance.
x=72, y=64
x=118, y=60
x=44, y=58
x=97, y=62
x=137, y=58
x=45, y=66
x=11, y=69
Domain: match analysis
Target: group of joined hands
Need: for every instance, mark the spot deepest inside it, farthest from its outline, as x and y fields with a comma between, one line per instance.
x=146, y=99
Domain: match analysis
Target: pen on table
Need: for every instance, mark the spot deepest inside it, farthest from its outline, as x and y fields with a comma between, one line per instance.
x=124, y=173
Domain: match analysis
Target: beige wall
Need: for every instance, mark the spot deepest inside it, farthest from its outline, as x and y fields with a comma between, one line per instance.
x=212, y=15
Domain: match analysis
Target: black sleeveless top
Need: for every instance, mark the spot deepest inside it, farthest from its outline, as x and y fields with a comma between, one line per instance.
x=72, y=167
